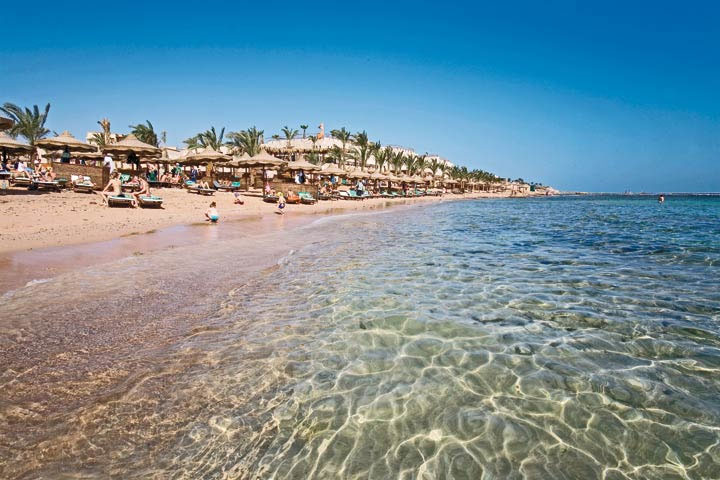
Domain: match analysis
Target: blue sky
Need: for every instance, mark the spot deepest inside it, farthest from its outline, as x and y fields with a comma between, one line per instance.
x=603, y=97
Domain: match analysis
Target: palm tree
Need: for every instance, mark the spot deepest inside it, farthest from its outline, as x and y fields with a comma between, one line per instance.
x=206, y=139
x=313, y=139
x=145, y=133
x=343, y=135
x=338, y=155
x=314, y=158
x=290, y=133
x=363, y=150
x=397, y=160
x=247, y=141
x=98, y=138
x=163, y=137
x=303, y=128
x=382, y=156
x=420, y=164
x=276, y=137
x=27, y=123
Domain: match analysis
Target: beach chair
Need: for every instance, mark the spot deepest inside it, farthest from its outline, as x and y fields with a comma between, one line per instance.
x=270, y=198
x=221, y=188
x=307, y=198
x=21, y=181
x=54, y=185
x=82, y=184
x=193, y=188
x=343, y=195
x=122, y=200
x=292, y=197
x=150, y=201
x=324, y=196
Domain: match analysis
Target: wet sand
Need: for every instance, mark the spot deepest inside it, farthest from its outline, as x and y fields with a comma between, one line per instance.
x=44, y=235
x=32, y=220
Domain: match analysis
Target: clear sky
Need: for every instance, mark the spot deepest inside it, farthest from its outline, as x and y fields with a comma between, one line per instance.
x=595, y=96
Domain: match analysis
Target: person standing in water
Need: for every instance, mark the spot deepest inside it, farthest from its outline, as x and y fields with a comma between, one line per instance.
x=661, y=198
x=212, y=214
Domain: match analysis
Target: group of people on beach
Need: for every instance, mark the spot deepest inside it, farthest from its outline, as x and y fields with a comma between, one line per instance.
x=114, y=188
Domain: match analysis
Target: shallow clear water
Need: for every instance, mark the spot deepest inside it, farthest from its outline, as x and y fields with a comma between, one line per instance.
x=551, y=338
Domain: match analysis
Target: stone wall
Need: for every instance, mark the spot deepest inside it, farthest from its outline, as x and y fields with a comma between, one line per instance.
x=99, y=175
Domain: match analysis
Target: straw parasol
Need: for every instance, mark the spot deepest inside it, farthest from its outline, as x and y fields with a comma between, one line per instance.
x=208, y=155
x=11, y=145
x=239, y=162
x=378, y=176
x=332, y=169
x=89, y=155
x=303, y=164
x=417, y=179
x=131, y=144
x=63, y=140
x=263, y=160
x=5, y=123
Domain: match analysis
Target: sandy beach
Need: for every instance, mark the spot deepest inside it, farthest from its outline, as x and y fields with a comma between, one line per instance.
x=32, y=220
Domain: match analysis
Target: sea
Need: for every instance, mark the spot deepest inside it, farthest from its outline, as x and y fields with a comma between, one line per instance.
x=562, y=337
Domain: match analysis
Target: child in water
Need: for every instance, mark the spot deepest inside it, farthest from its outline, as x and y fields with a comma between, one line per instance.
x=212, y=213
x=281, y=202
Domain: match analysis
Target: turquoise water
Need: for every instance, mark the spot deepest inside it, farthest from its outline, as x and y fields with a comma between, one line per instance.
x=551, y=338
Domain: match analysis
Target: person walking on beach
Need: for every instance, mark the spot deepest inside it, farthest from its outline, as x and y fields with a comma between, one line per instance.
x=360, y=188
x=211, y=215
x=281, y=203
x=112, y=189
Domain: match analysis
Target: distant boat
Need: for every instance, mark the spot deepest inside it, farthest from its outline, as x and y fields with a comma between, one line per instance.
x=627, y=192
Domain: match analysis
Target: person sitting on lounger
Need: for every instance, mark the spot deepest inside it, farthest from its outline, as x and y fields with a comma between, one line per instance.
x=211, y=215
x=143, y=187
x=112, y=189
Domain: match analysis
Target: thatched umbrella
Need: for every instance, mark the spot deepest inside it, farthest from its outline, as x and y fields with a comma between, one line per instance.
x=10, y=145
x=63, y=140
x=332, y=169
x=262, y=160
x=131, y=144
x=207, y=155
x=303, y=164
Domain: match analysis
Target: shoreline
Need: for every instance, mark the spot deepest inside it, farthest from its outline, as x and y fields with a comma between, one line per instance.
x=77, y=232
x=37, y=221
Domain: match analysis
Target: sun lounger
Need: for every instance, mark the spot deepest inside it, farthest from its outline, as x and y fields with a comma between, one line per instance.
x=270, y=198
x=306, y=198
x=354, y=195
x=82, y=184
x=193, y=188
x=150, y=201
x=157, y=184
x=54, y=185
x=344, y=195
x=122, y=200
x=21, y=181
x=234, y=186
x=292, y=198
